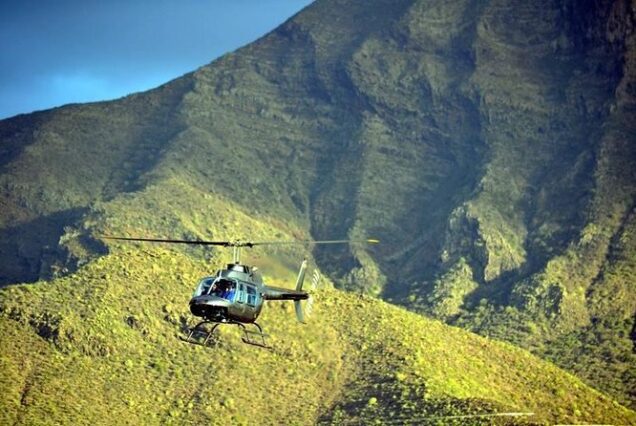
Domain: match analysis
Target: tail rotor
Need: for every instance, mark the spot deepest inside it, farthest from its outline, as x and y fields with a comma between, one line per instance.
x=315, y=280
x=299, y=286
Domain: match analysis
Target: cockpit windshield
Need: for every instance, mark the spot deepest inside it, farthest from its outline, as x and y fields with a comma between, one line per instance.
x=203, y=287
x=221, y=287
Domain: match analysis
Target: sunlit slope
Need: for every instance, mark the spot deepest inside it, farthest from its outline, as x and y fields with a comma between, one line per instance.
x=101, y=347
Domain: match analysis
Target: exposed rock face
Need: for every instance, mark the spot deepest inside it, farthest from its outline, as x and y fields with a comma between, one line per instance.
x=489, y=144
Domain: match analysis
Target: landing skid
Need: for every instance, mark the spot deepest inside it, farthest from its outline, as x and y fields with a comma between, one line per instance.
x=199, y=335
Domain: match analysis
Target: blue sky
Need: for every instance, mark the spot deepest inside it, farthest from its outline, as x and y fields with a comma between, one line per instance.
x=66, y=51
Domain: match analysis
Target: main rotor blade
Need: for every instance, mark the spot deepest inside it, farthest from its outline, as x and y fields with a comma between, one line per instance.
x=239, y=243
x=367, y=241
x=160, y=240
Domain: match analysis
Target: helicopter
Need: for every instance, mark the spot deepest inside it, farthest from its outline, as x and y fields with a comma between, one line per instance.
x=235, y=294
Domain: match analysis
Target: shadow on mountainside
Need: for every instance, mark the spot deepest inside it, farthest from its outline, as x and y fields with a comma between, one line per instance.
x=33, y=250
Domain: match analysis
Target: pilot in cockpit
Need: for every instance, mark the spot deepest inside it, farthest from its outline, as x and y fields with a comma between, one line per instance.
x=229, y=291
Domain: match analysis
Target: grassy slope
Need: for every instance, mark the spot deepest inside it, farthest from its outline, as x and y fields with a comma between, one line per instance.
x=101, y=346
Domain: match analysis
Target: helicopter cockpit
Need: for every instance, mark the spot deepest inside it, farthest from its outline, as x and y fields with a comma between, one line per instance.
x=221, y=287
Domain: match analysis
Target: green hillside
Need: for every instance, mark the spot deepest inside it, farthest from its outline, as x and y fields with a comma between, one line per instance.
x=101, y=347
x=488, y=144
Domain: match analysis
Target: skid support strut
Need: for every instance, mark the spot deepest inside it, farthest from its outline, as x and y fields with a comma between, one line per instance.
x=200, y=335
x=199, y=331
x=253, y=337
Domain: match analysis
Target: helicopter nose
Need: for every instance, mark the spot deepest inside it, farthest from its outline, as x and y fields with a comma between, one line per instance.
x=207, y=307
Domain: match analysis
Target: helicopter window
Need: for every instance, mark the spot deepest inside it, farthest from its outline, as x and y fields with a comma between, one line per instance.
x=251, y=295
x=241, y=294
x=224, y=288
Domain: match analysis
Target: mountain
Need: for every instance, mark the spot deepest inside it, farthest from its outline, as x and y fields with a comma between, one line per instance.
x=488, y=144
x=100, y=347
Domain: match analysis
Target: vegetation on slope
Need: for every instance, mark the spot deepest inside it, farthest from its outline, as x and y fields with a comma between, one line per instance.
x=101, y=346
